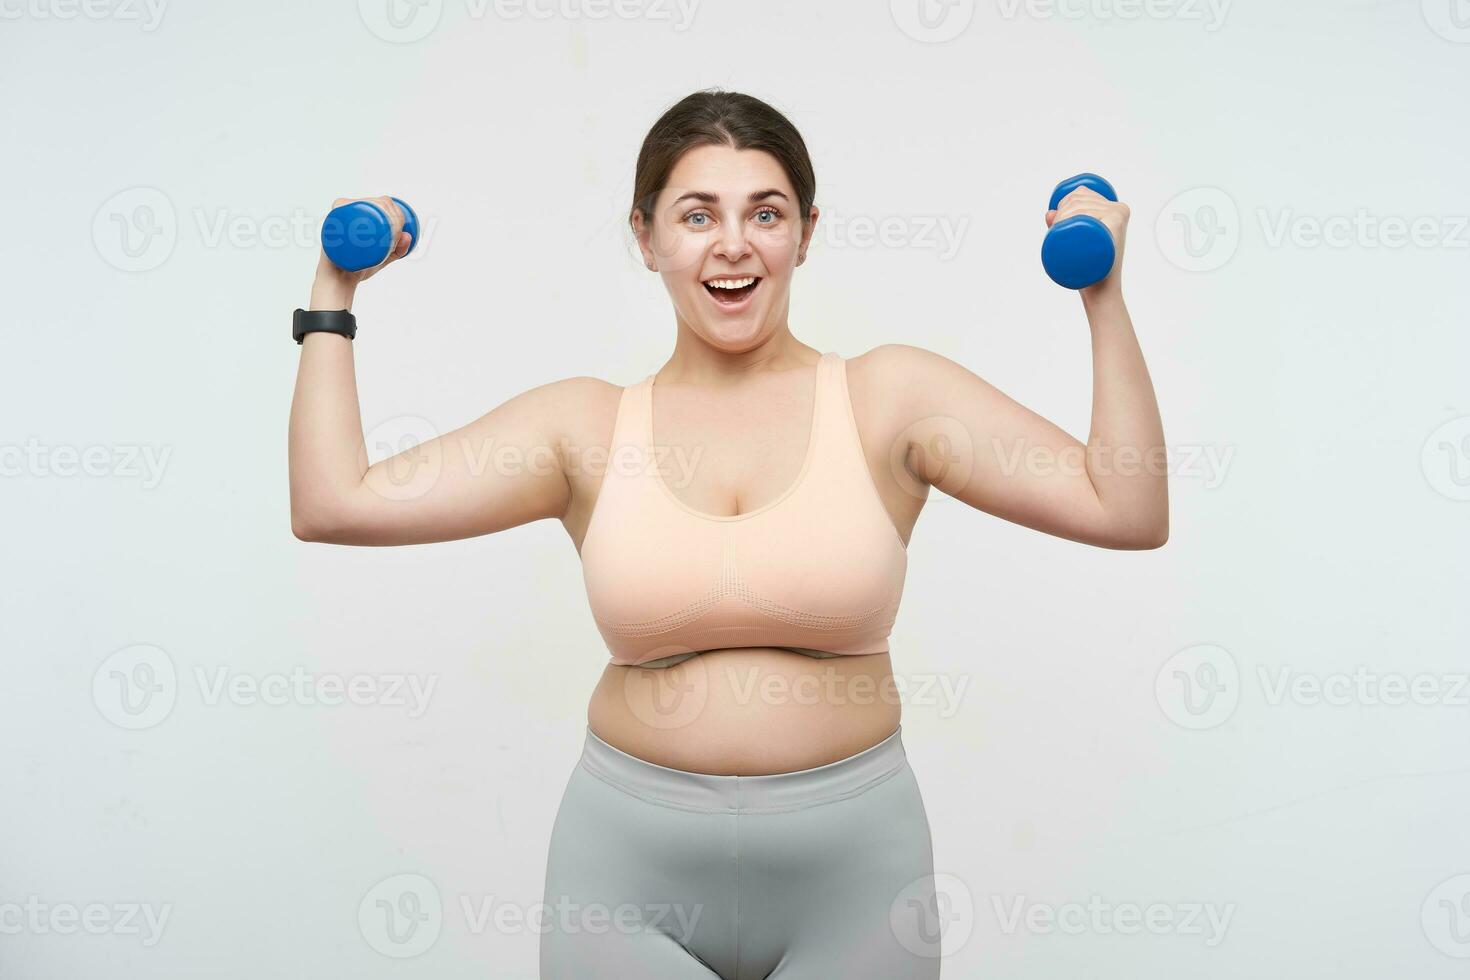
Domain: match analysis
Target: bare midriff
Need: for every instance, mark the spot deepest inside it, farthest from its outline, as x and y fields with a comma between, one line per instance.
x=747, y=711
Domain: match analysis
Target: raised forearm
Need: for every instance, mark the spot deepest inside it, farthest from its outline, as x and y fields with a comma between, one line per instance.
x=1126, y=455
x=327, y=458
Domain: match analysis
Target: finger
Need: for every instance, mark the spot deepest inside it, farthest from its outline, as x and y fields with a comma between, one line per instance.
x=400, y=248
x=1081, y=193
x=1051, y=217
x=394, y=212
x=1099, y=210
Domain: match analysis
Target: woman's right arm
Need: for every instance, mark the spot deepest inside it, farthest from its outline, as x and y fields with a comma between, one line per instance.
x=502, y=470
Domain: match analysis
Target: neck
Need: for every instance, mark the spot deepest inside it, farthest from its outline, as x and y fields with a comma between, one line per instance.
x=696, y=361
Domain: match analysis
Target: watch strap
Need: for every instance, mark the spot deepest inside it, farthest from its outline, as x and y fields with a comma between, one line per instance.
x=340, y=322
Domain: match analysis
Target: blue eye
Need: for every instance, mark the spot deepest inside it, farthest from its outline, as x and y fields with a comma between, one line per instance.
x=773, y=213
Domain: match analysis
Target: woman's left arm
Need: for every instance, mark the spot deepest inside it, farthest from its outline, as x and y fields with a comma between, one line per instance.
x=976, y=444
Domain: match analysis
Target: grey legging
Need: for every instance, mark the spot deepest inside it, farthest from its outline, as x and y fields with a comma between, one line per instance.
x=661, y=874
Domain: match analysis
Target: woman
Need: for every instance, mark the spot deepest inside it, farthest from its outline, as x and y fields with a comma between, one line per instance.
x=742, y=807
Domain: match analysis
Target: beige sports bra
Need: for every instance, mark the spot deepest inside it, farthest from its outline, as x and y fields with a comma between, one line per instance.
x=819, y=570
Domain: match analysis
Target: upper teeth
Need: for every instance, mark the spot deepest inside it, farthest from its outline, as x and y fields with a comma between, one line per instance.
x=731, y=283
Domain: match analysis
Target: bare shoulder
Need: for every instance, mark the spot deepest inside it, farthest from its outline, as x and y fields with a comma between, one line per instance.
x=891, y=377
x=581, y=395
x=881, y=385
x=897, y=363
x=903, y=395
x=581, y=409
x=585, y=413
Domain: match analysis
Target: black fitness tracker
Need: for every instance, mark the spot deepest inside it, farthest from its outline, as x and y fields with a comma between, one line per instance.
x=341, y=322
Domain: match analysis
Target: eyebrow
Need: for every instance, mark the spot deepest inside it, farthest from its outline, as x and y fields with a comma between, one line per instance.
x=708, y=198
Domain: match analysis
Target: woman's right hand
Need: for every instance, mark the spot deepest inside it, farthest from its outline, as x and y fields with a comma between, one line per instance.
x=334, y=287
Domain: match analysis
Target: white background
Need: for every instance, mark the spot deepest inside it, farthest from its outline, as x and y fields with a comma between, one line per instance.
x=164, y=174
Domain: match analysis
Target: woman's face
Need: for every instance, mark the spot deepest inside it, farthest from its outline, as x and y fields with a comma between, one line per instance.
x=726, y=217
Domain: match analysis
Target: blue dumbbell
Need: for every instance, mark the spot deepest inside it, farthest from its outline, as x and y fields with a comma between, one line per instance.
x=358, y=235
x=1078, y=251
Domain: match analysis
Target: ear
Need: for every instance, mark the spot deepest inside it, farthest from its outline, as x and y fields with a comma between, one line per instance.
x=806, y=234
x=643, y=232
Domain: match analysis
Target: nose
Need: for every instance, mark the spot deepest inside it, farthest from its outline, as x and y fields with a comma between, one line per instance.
x=731, y=244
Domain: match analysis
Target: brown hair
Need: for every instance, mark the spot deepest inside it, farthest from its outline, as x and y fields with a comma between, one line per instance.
x=719, y=118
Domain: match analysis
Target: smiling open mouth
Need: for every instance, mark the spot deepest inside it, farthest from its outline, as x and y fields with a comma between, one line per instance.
x=732, y=292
